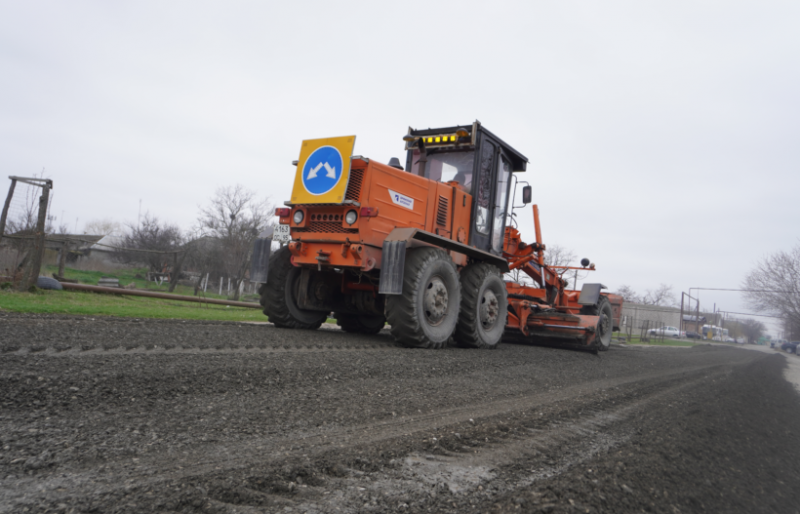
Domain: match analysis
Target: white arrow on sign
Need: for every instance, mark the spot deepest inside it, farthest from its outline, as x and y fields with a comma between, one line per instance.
x=331, y=171
x=313, y=172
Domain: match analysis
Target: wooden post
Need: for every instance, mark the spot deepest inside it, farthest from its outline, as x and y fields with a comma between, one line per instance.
x=62, y=259
x=5, y=208
x=199, y=285
x=31, y=274
x=176, y=271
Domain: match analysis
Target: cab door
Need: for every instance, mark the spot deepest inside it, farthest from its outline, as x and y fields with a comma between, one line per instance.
x=501, y=192
x=490, y=188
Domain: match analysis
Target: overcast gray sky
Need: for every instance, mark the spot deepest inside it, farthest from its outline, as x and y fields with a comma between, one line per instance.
x=662, y=136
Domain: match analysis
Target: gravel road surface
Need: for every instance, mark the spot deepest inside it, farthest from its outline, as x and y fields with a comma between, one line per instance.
x=113, y=415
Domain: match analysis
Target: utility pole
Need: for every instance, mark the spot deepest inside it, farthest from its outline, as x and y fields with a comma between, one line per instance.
x=6, y=206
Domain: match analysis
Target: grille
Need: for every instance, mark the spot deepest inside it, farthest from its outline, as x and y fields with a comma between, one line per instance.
x=329, y=227
x=354, y=187
x=441, y=212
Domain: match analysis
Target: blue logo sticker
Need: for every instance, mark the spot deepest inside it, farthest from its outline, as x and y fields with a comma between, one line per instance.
x=323, y=170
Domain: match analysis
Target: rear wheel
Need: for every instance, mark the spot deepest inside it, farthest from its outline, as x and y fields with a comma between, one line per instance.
x=484, y=307
x=360, y=324
x=606, y=323
x=425, y=315
x=278, y=295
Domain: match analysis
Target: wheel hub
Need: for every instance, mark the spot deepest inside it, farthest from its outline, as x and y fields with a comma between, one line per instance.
x=435, y=301
x=489, y=309
x=603, y=325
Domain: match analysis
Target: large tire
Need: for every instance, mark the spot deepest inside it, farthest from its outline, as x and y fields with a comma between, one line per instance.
x=360, y=324
x=606, y=324
x=484, y=307
x=425, y=315
x=277, y=295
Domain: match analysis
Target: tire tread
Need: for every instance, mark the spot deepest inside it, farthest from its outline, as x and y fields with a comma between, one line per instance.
x=467, y=330
x=594, y=310
x=400, y=309
x=273, y=293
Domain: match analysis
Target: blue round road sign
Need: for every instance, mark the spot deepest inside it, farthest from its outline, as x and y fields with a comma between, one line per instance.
x=323, y=170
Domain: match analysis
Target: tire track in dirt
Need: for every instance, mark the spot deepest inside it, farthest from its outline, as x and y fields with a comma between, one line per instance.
x=92, y=351
x=52, y=335
x=227, y=417
x=491, y=469
x=206, y=461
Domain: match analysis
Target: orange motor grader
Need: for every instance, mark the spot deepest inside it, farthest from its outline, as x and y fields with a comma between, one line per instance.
x=424, y=247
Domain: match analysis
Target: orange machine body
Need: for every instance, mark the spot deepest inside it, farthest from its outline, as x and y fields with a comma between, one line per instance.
x=341, y=248
x=323, y=239
x=549, y=310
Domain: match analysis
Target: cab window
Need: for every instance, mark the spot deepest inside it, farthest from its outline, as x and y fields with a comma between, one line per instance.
x=501, y=198
x=446, y=166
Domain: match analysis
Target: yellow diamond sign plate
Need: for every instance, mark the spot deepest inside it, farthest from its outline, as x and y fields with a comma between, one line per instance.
x=323, y=170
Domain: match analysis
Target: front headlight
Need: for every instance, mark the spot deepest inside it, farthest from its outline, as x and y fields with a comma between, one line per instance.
x=350, y=217
x=298, y=217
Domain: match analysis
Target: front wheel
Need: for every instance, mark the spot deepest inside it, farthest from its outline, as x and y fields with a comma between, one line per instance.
x=425, y=315
x=278, y=295
x=606, y=323
x=484, y=307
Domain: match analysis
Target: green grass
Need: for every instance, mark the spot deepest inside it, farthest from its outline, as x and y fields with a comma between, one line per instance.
x=94, y=304
x=85, y=303
x=98, y=304
x=129, y=275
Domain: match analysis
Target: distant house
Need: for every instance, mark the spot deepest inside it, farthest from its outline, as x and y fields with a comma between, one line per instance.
x=80, y=245
x=693, y=323
x=636, y=316
x=85, y=246
x=104, y=248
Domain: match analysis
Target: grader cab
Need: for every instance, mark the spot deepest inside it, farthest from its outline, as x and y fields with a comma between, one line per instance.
x=424, y=247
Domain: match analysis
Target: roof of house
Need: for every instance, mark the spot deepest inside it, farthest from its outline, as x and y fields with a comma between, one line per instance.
x=692, y=317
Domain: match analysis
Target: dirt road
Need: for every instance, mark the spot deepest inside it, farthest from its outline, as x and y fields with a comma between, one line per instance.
x=104, y=415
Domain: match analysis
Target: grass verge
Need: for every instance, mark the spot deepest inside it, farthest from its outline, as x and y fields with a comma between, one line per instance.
x=94, y=304
x=136, y=276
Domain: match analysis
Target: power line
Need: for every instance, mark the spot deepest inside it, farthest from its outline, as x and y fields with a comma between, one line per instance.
x=741, y=290
x=751, y=314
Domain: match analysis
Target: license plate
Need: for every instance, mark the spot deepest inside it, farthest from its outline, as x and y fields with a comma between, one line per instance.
x=282, y=234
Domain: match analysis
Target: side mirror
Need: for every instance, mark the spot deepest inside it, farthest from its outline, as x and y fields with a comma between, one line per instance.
x=527, y=193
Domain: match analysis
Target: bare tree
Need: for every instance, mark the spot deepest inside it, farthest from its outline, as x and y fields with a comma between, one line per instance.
x=628, y=294
x=25, y=215
x=735, y=328
x=661, y=296
x=52, y=228
x=518, y=276
x=773, y=287
x=556, y=255
x=235, y=217
x=151, y=234
x=103, y=227
x=791, y=330
x=752, y=329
